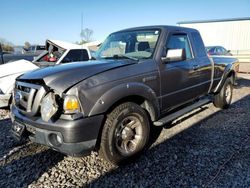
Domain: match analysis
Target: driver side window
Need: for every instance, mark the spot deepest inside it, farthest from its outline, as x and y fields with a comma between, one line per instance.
x=179, y=41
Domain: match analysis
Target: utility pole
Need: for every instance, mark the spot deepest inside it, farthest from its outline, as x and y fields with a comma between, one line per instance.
x=81, y=26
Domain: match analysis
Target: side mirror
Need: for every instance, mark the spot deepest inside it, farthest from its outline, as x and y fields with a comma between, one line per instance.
x=174, y=55
x=228, y=51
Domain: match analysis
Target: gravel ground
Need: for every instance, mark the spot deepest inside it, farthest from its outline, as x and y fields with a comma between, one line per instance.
x=205, y=148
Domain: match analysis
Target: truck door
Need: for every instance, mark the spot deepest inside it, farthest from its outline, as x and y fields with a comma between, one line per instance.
x=204, y=67
x=179, y=80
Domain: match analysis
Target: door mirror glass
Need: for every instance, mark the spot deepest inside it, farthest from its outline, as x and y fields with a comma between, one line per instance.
x=175, y=55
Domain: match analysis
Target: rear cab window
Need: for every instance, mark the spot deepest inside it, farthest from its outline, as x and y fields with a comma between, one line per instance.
x=76, y=55
x=198, y=45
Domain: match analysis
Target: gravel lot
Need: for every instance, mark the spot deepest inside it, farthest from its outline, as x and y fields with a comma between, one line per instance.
x=206, y=148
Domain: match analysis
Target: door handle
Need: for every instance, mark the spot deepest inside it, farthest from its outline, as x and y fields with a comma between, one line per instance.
x=195, y=67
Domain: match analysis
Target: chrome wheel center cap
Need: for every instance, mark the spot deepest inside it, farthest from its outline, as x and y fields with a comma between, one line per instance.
x=127, y=133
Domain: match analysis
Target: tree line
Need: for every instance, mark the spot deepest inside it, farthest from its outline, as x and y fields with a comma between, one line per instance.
x=6, y=45
x=86, y=36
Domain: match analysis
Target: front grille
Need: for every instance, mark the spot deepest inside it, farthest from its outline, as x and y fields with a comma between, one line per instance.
x=27, y=97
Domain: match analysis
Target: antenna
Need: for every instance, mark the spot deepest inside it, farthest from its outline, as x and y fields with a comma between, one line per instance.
x=81, y=25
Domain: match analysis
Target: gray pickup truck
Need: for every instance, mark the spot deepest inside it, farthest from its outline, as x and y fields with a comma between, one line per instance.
x=140, y=78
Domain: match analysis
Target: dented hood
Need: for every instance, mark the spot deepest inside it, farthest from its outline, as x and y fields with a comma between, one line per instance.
x=62, y=77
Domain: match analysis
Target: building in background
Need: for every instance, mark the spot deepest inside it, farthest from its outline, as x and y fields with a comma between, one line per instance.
x=233, y=34
x=93, y=46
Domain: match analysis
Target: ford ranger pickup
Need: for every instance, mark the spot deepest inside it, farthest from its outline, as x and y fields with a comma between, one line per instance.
x=140, y=78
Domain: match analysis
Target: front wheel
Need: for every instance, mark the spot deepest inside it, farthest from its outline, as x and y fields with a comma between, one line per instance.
x=125, y=133
x=224, y=97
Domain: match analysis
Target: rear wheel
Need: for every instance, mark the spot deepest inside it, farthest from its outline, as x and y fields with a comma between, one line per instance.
x=125, y=133
x=224, y=97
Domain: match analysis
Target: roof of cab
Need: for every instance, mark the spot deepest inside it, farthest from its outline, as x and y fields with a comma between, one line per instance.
x=161, y=27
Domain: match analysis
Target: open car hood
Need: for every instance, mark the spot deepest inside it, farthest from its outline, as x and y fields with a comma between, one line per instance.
x=61, y=44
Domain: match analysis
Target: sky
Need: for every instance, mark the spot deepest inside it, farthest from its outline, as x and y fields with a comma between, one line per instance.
x=35, y=21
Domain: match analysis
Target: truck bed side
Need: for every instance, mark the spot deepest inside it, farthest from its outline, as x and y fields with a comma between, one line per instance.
x=224, y=67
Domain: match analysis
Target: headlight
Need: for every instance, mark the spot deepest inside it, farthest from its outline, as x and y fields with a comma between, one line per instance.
x=48, y=107
x=71, y=104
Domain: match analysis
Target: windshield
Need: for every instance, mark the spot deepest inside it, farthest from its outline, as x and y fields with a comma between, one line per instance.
x=129, y=45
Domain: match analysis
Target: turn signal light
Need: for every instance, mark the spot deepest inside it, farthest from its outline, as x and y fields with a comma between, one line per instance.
x=71, y=104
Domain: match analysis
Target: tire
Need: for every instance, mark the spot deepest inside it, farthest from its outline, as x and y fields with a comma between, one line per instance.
x=224, y=97
x=125, y=133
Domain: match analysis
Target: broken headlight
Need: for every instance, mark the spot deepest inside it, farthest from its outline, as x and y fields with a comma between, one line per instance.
x=49, y=107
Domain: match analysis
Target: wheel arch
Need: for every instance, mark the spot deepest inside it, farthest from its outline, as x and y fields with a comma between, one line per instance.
x=229, y=72
x=138, y=93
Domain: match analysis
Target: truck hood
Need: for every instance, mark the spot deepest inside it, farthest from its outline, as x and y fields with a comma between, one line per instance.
x=16, y=67
x=64, y=76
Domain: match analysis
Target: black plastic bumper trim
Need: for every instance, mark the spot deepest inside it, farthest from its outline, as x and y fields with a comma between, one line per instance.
x=72, y=131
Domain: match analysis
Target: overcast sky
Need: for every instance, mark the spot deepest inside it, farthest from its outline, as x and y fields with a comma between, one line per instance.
x=36, y=21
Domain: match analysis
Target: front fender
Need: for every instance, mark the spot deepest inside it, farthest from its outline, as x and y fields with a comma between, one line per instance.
x=122, y=91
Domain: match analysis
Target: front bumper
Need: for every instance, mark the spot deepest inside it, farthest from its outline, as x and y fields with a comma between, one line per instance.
x=4, y=100
x=72, y=137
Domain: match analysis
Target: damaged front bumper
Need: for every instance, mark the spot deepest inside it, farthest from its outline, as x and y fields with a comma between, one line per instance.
x=72, y=137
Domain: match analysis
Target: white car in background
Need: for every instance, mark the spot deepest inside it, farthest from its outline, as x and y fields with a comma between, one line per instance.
x=56, y=52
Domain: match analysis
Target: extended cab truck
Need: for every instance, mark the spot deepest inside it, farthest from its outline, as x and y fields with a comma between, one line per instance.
x=141, y=76
x=56, y=52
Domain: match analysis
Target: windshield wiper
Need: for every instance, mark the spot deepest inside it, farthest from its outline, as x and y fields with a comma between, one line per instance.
x=120, y=56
